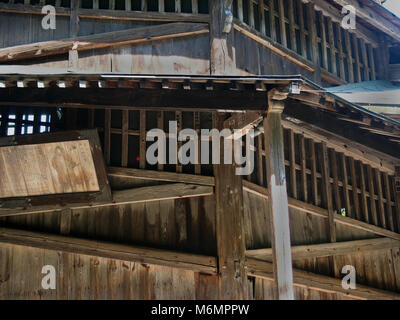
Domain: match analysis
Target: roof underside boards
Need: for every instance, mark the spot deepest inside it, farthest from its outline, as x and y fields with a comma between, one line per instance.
x=60, y=88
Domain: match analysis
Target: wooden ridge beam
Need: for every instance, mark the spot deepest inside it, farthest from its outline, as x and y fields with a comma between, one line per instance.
x=128, y=196
x=187, y=261
x=329, y=249
x=102, y=40
x=264, y=270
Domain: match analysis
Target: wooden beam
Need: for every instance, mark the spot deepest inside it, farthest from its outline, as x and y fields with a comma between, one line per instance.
x=106, y=14
x=329, y=249
x=278, y=198
x=309, y=280
x=102, y=40
x=173, y=259
x=229, y=228
x=141, y=98
x=128, y=196
x=131, y=173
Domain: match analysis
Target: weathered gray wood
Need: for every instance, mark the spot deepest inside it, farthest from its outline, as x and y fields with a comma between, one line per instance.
x=278, y=199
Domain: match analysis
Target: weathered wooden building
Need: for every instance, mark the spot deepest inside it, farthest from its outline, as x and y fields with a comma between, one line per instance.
x=77, y=192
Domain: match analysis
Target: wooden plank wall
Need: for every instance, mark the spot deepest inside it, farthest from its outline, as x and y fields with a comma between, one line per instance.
x=86, y=277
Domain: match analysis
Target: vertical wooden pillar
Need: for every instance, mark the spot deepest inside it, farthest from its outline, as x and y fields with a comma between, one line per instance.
x=222, y=59
x=233, y=283
x=278, y=199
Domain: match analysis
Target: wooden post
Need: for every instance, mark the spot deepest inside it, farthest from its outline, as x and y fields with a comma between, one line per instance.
x=222, y=57
x=278, y=198
x=229, y=229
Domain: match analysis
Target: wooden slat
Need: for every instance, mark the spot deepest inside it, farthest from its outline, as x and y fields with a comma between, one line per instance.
x=345, y=181
x=179, y=120
x=364, y=203
x=349, y=56
x=292, y=160
x=340, y=47
x=142, y=140
x=124, y=141
x=197, y=126
x=292, y=29
x=396, y=193
x=372, y=62
x=371, y=189
x=107, y=135
x=381, y=206
x=388, y=207
x=334, y=166
x=314, y=185
x=356, y=201
x=261, y=5
x=326, y=191
x=193, y=262
x=365, y=59
x=240, y=9
x=356, y=57
x=303, y=49
x=332, y=46
x=323, y=42
x=271, y=12
x=282, y=23
x=160, y=125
